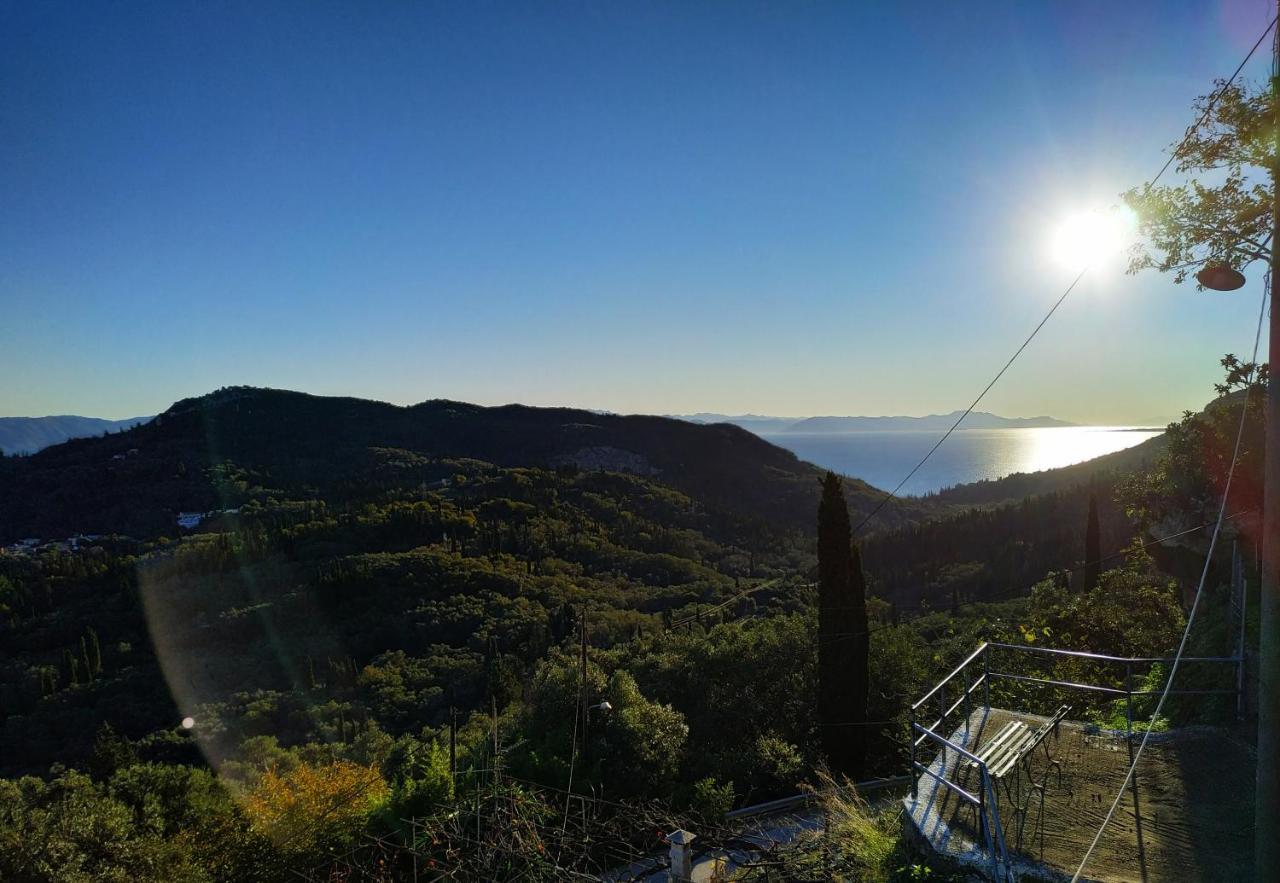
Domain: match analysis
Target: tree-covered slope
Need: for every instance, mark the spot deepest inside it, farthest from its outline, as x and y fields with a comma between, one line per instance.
x=216, y=451
x=26, y=435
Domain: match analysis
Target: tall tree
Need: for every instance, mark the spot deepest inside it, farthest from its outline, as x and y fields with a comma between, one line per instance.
x=843, y=641
x=1222, y=215
x=1092, y=547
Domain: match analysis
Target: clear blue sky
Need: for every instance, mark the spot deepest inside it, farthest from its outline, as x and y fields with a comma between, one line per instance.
x=791, y=208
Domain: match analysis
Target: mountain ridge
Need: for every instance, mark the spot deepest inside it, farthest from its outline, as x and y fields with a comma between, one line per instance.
x=244, y=437
x=765, y=424
x=27, y=435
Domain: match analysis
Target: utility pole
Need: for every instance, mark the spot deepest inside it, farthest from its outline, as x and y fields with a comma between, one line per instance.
x=453, y=745
x=1266, y=835
x=583, y=699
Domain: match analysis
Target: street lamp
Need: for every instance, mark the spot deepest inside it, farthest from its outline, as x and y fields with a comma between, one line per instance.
x=1220, y=277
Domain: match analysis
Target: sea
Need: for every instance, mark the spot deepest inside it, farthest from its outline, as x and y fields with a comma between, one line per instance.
x=883, y=458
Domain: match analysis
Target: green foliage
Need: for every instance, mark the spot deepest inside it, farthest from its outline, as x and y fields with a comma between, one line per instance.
x=859, y=843
x=1184, y=489
x=643, y=741
x=111, y=753
x=1130, y=613
x=1223, y=213
x=70, y=830
x=323, y=635
x=421, y=781
x=710, y=800
x=1115, y=715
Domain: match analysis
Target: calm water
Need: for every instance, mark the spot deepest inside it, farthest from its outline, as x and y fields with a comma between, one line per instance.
x=883, y=458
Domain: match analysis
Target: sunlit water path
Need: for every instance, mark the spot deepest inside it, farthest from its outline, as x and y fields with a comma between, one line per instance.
x=883, y=458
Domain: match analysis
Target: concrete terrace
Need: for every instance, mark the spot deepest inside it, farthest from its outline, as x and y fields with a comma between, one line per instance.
x=1194, y=805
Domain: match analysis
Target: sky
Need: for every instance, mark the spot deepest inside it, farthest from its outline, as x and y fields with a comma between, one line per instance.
x=780, y=208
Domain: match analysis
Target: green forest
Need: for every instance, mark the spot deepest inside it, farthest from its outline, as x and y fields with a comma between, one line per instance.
x=527, y=642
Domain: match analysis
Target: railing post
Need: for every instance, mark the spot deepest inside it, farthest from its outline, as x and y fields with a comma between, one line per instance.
x=986, y=678
x=1240, y=649
x=915, y=778
x=984, y=831
x=988, y=828
x=1128, y=702
x=968, y=700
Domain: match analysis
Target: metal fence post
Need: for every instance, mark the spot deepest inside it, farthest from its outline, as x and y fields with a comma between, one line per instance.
x=1240, y=649
x=1128, y=703
x=915, y=788
x=986, y=679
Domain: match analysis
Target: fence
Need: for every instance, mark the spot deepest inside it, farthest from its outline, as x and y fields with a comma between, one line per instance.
x=963, y=685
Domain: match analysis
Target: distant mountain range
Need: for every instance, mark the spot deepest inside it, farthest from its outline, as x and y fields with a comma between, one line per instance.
x=764, y=425
x=26, y=435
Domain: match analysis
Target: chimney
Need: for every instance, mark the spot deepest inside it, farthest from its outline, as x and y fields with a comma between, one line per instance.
x=681, y=856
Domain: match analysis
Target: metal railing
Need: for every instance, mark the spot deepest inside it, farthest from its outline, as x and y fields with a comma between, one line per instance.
x=987, y=809
x=1129, y=663
x=962, y=684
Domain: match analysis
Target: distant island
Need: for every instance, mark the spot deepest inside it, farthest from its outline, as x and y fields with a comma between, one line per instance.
x=26, y=435
x=765, y=425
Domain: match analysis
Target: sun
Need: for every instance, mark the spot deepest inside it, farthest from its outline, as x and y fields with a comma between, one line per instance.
x=1088, y=238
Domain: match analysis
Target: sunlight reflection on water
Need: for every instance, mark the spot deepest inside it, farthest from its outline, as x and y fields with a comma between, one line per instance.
x=883, y=458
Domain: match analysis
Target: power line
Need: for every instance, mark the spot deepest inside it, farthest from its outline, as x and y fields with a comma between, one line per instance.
x=1212, y=102
x=1195, y=604
x=723, y=604
x=893, y=493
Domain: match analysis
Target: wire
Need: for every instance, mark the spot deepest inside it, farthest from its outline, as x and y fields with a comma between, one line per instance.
x=1213, y=99
x=967, y=411
x=767, y=584
x=1195, y=604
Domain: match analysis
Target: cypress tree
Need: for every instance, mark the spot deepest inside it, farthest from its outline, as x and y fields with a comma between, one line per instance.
x=94, y=656
x=1092, y=547
x=843, y=641
x=111, y=752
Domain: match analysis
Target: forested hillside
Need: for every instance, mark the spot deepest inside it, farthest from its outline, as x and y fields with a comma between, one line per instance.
x=362, y=586
x=223, y=449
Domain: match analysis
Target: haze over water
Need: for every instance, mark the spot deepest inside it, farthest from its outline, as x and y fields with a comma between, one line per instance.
x=883, y=458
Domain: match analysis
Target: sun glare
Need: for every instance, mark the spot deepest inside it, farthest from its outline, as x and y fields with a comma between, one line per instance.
x=1088, y=238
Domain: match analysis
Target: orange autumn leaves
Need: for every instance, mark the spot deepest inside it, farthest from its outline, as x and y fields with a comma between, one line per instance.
x=312, y=804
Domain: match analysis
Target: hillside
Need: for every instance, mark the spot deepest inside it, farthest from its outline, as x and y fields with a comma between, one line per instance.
x=26, y=435
x=223, y=449
x=1025, y=484
x=379, y=565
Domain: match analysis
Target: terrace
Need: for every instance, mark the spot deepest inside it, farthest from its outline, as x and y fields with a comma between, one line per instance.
x=1018, y=788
